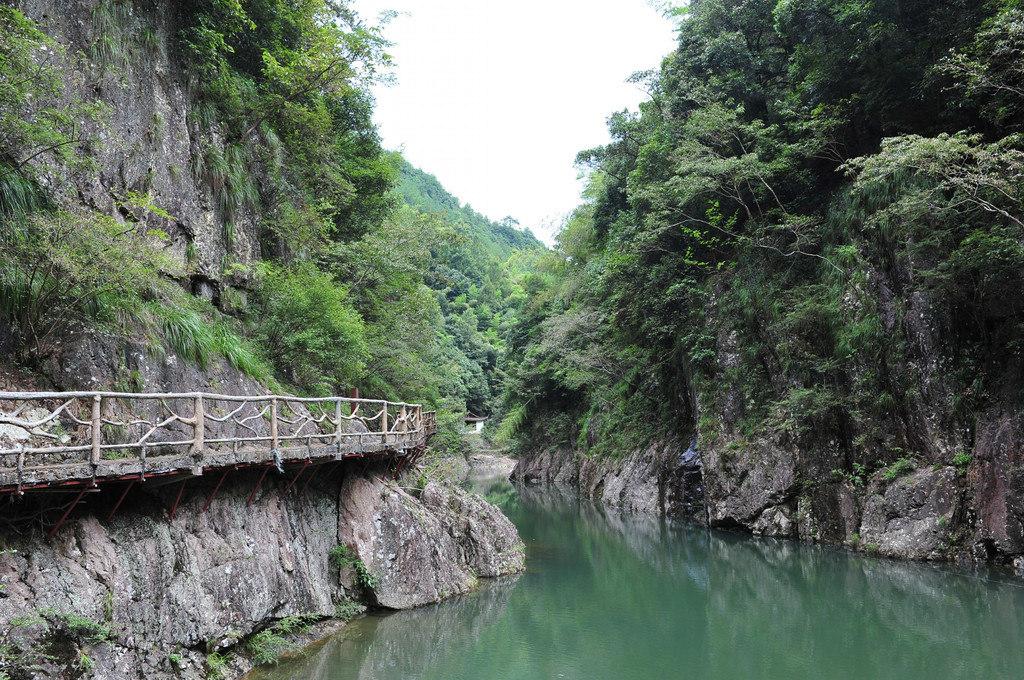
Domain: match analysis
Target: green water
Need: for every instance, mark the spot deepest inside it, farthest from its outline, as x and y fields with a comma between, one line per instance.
x=608, y=596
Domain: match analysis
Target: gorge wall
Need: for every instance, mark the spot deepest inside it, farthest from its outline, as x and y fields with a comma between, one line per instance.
x=662, y=479
x=833, y=309
x=901, y=434
x=966, y=508
x=153, y=137
x=167, y=594
x=149, y=138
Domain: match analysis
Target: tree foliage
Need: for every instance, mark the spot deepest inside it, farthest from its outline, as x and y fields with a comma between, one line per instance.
x=57, y=267
x=802, y=172
x=308, y=328
x=394, y=288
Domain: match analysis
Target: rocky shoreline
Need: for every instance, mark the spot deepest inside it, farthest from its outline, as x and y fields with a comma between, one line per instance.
x=142, y=596
x=662, y=479
x=937, y=513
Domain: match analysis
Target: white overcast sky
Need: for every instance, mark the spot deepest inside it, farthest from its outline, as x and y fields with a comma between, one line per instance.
x=495, y=98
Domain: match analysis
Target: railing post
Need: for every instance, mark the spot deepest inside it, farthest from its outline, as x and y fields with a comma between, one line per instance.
x=403, y=418
x=354, y=394
x=199, y=426
x=384, y=423
x=337, y=416
x=96, y=424
x=273, y=424
x=21, y=468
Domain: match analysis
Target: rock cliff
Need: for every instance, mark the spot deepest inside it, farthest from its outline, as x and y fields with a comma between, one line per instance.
x=141, y=596
x=911, y=509
x=933, y=473
x=664, y=478
x=931, y=469
x=152, y=137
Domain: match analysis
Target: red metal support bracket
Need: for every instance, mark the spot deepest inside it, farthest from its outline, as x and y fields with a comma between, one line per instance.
x=401, y=465
x=121, y=499
x=67, y=512
x=178, y=499
x=295, y=479
x=215, y=490
x=313, y=474
x=258, y=484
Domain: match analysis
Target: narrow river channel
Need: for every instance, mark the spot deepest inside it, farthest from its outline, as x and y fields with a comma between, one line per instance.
x=615, y=597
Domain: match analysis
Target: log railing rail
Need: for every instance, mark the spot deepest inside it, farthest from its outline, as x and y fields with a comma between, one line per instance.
x=50, y=437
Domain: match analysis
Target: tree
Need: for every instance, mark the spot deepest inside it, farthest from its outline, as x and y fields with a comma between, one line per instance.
x=39, y=117
x=61, y=266
x=308, y=328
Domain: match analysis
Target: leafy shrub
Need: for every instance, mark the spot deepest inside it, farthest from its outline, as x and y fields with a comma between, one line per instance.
x=60, y=265
x=450, y=436
x=342, y=556
x=346, y=610
x=267, y=646
x=198, y=333
x=217, y=665
x=899, y=468
x=961, y=461
x=76, y=627
x=291, y=625
x=308, y=328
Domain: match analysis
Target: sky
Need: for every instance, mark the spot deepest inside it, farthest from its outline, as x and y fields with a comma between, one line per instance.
x=495, y=98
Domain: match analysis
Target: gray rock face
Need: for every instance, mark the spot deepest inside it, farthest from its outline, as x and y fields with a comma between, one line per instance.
x=911, y=518
x=664, y=478
x=998, y=467
x=813, y=466
x=172, y=591
x=762, y=496
x=151, y=141
x=422, y=551
x=88, y=360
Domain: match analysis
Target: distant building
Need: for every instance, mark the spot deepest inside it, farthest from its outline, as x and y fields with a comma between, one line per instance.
x=474, y=423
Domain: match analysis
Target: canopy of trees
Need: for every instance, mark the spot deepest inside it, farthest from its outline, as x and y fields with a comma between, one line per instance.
x=803, y=173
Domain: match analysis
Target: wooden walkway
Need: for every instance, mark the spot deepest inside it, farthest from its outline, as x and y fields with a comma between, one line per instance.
x=52, y=441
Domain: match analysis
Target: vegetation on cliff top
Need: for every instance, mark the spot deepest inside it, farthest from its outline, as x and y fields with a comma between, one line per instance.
x=371, y=275
x=758, y=241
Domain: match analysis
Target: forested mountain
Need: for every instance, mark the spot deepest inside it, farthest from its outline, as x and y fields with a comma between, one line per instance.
x=475, y=275
x=206, y=183
x=423, y=192
x=806, y=248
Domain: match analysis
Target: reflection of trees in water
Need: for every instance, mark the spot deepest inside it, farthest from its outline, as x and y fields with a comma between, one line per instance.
x=495, y=489
x=401, y=644
x=665, y=547
x=407, y=643
x=749, y=601
x=867, y=617
x=612, y=595
x=551, y=500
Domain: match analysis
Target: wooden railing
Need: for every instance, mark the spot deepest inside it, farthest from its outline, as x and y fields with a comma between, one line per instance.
x=107, y=430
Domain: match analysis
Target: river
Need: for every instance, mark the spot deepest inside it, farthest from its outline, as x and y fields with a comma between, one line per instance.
x=620, y=597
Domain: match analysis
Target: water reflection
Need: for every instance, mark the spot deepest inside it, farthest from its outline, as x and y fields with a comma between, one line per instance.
x=609, y=595
x=401, y=644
